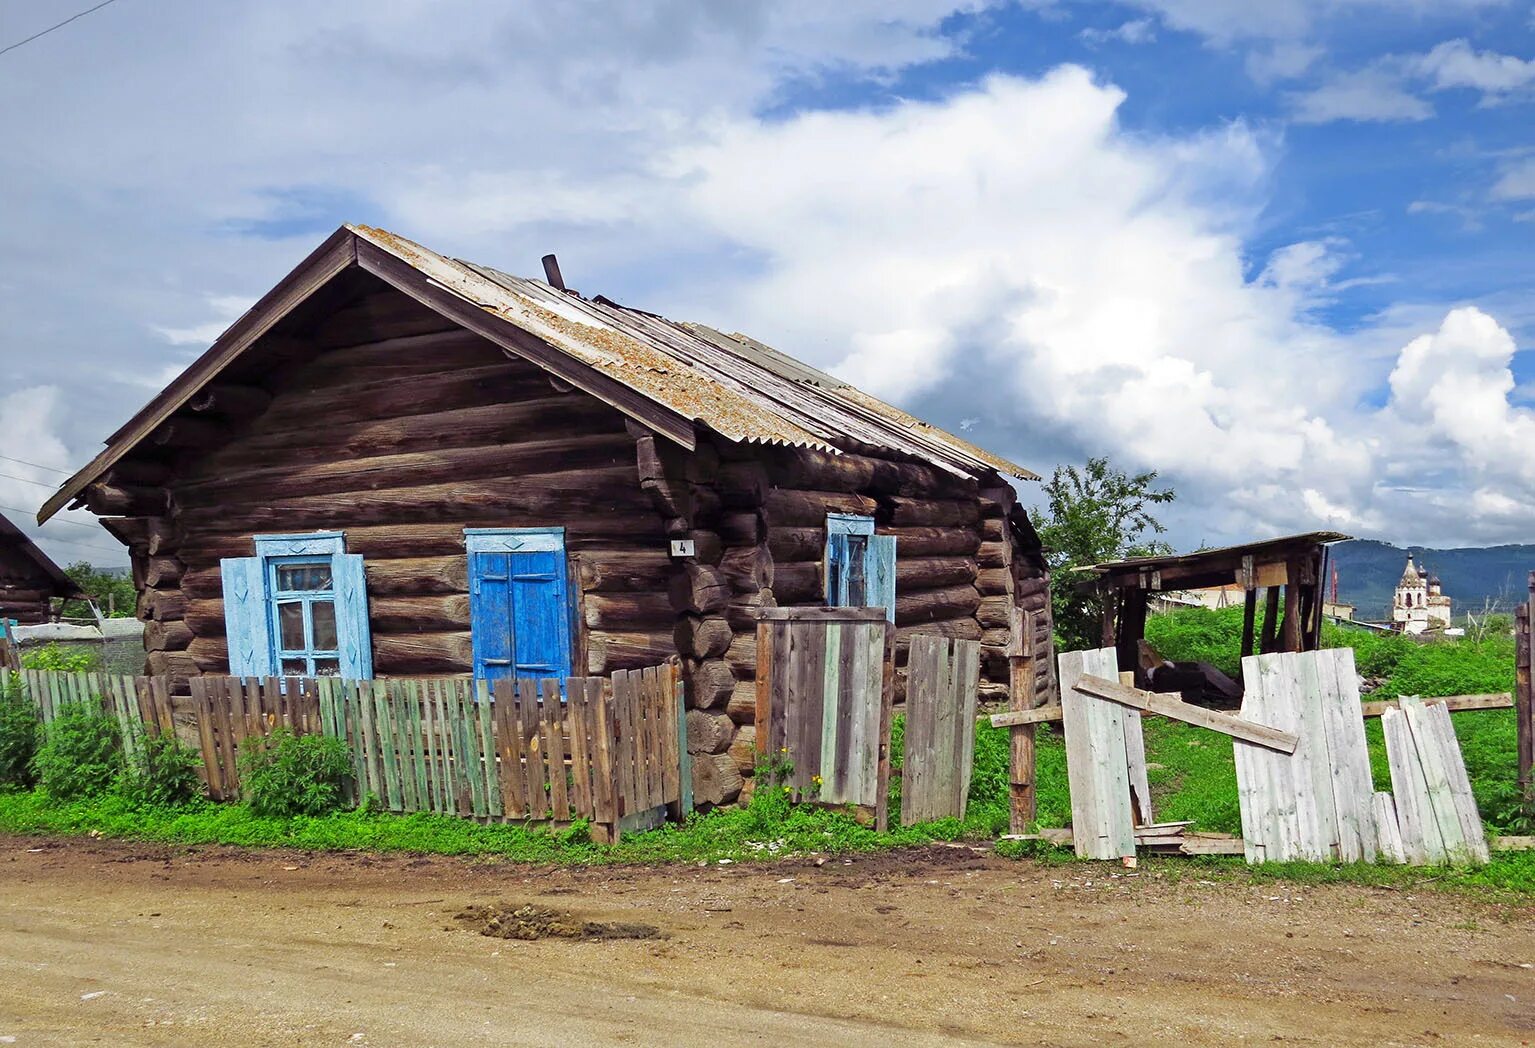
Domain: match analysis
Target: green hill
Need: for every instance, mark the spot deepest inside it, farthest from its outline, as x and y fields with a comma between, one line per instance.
x=1368, y=572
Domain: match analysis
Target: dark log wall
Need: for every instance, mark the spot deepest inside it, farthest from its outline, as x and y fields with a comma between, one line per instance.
x=960, y=564
x=26, y=591
x=401, y=430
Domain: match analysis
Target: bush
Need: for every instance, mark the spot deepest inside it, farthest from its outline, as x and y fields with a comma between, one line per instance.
x=61, y=659
x=19, y=729
x=162, y=773
x=294, y=774
x=81, y=755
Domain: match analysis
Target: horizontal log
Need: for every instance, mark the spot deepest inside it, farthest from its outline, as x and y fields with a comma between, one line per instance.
x=716, y=779
x=209, y=654
x=607, y=652
x=934, y=541
x=205, y=617
x=29, y=595
x=182, y=665
x=992, y=555
x=372, y=316
x=747, y=569
x=743, y=748
x=697, y=588
x=419, y=614
x=742, y=485
x=619, y=571
x=820, y=470
x=742, y=611
x=993, y=528
x=932, y=572
x=955, y=602
x=905, y=512
x=230, y=401
x=402, y=357
x=627, y=611
x=792, y=544
x=431, y=427
x=139, y=471
x=702, y=637
x=422, y=654
x=163, y=571
x=553, y=496
x=802, y=583
x=328, y=477
x=992, y=581
x=497, y=382
x=162, y=605
x=167, y=636
x=994, y=612
x=740, y=528
x=960, y=629
x=162, y=535
x=185, y=431
x=741, y=706
x=611, y=532
x=783, y=507
x=107, y=500
x=709, y=732
x=708, y=682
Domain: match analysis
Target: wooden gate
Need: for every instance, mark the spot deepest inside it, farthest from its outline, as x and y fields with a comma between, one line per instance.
x=825, y=684
x=941, y=683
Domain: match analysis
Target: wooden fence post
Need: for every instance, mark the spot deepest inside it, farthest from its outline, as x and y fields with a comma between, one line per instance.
x=1524, y=699
x=1020, y=663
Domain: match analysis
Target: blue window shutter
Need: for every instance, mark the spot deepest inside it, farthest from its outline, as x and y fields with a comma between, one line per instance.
x=540, y=614
x=354, y=638
x=245, y=616
x=837, y=562
x=879, y=573
x=490, y=614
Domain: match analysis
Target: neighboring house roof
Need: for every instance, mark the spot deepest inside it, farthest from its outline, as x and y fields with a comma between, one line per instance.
x=1276, y=548
x=12, y=540
x=666, y=375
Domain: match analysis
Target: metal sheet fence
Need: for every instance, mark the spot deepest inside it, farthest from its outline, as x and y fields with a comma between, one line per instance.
x=588, y=747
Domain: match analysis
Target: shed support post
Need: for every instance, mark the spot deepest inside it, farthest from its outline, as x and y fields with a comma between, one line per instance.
x=1249, y=619
x=1021, y=694
x=1524, y=700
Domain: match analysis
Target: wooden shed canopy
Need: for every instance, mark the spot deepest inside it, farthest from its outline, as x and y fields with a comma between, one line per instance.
x=665, y=375
x=13, y=542
x=1212, y=567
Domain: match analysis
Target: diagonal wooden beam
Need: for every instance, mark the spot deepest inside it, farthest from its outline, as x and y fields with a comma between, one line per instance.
x=1177, y=709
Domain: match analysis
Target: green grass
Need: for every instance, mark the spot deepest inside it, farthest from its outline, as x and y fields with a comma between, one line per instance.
x=1191, y=772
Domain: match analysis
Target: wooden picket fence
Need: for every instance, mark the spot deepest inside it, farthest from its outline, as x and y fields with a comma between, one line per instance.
x=607, y=750
x=140, y=704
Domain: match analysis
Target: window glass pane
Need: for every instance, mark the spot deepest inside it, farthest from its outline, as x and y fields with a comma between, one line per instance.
x=294, y=668
x=290, y=626
x=323, y=614
x=327, y=668
x=303, y=577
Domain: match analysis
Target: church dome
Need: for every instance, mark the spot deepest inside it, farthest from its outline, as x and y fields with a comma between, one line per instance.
x=1410, y=575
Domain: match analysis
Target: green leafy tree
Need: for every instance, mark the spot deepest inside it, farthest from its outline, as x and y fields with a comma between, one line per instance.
x=113, y=594
x=1091, y=515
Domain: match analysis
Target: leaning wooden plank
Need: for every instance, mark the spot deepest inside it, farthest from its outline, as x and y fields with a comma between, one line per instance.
x=886, y=717
x=1421, y=840
x=1387, y=832
x=1352, y=784
x=1311, y=764
x=1177, y=709
x=1254, y=777
x=1211, y=845
x=1472, y=833
x=1135, y=763
x=968, y=652
x=1501, y=700
x=1441, y=800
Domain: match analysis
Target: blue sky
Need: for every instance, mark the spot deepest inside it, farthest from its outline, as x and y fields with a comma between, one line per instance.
x=1280, y=253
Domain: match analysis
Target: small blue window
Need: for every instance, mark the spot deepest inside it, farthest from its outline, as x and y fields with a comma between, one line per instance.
x=299, y=608
x=860, y=565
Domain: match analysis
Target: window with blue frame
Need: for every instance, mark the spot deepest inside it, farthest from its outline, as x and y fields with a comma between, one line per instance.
x=522, y=617
x=860, y=565
x=299, y=607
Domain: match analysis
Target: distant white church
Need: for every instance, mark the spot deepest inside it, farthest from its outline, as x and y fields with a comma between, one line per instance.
x=1419, y=605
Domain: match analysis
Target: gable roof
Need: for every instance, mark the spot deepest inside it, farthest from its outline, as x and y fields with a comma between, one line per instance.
x=11, y=538
x=665, y=375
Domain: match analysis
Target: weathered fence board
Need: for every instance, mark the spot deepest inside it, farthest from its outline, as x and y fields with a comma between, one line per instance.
x=1435, y=809
x=941, y=687
x=825, y=683
x=1317, y=802
x=1096, y=766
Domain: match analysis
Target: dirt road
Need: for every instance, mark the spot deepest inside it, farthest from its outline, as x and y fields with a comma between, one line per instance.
x=130, y=944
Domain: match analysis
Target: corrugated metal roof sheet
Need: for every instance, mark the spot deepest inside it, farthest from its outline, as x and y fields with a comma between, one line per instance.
x=738, y=387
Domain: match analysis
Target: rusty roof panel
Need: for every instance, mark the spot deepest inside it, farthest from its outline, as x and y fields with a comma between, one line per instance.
x=738, y=387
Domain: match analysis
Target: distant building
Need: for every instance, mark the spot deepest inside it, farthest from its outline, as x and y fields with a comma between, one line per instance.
x=1419, y=604
x=1341, y=612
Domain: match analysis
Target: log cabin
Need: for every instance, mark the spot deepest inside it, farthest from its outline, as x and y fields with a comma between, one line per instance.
x=399, y=463
x=29, y=580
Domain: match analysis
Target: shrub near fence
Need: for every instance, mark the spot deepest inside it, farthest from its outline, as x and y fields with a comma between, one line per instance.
x=598, y=749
